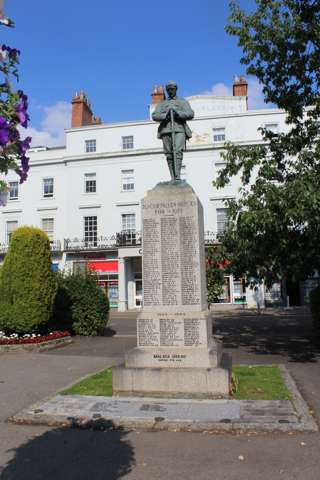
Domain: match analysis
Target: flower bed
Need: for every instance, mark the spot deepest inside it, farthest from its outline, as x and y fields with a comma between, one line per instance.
x=33, y=343
x=14, y=338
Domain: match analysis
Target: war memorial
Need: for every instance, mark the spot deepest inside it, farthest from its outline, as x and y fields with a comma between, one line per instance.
x=176, y=354
x=176, y=378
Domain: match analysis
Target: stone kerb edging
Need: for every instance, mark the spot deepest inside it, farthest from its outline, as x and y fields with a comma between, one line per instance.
x=36, y=347
x=302, y=409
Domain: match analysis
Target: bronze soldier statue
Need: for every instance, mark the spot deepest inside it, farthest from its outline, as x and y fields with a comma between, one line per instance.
x=172, y=114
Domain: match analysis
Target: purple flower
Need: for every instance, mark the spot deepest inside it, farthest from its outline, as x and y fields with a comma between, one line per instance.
x=14, y=135
x=21, y=109
x=24, y=145
x=22, y=174
x=22, y=116
x=25, y=163
x=4, y=131
x=23, y=97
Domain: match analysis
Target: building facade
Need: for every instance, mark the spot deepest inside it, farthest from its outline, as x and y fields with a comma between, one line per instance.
x=86, y=195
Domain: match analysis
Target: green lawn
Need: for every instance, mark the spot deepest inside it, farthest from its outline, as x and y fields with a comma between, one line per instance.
x=259, y=383
x=251, y=383
x=98, y=384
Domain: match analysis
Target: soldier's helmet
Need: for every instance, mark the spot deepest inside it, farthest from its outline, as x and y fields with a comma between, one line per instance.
x=171, y=83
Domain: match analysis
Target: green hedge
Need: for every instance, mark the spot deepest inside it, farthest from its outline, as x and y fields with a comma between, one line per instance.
x=315, y=306
x=81, y=307
x=27, y=283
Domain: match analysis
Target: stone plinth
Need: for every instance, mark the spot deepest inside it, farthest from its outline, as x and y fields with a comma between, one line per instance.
x=175, y=353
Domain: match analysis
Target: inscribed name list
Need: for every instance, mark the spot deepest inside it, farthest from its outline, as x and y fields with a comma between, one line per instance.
x=171, y=253
x=170, y=332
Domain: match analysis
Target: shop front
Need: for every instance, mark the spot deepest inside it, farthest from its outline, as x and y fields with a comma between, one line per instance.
x=107, y=272
x=233, y=290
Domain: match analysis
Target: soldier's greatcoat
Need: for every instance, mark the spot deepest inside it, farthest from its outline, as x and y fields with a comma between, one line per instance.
x=184, y=113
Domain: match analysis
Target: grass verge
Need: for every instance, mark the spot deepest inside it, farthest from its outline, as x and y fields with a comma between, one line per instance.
x=99, y=384
x=250, y=383
x=259, y=383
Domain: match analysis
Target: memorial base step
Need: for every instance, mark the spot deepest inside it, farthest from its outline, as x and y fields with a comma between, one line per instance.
x=174, y=382
x=170, y=357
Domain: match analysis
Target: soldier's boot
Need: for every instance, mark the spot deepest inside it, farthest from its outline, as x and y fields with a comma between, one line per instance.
x=171, y=166
x=179, y=164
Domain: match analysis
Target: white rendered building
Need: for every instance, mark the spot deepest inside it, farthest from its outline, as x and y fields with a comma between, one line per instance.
x=86, y=195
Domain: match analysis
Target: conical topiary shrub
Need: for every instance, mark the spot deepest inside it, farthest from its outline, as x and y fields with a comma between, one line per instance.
x=27, y=283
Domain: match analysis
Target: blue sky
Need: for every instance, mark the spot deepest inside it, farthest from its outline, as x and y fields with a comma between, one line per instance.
x=116, y=51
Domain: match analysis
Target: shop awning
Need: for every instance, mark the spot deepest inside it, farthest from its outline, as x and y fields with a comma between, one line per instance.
x=104, y=266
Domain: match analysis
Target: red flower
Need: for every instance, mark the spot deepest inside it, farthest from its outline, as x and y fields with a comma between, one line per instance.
x=28, y=340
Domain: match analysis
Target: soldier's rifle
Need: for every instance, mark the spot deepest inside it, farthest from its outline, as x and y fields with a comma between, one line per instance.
x=174, y=153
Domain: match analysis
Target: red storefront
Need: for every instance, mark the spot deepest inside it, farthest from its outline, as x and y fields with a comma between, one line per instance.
x=107, y=272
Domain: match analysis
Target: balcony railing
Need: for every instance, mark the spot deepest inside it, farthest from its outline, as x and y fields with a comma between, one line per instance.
x=54, y=247
x=120, y=239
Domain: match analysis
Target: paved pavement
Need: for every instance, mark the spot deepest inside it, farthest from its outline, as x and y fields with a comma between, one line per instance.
x=29, y=452
x=186, y=415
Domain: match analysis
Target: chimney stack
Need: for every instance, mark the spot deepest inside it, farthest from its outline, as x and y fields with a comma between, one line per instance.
x=81, y=112
x=240, y=87
x=157, y=95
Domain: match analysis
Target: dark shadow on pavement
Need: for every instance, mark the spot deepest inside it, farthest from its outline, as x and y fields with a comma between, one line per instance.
x=109, y=332
x=288, y=333
x=96, y=452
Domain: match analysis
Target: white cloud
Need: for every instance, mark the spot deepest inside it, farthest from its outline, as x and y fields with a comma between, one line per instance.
x=255, y=95
x=218, y=90
x=51, y=133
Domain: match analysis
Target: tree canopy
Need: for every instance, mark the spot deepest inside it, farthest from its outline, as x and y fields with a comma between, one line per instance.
x=274, y=225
